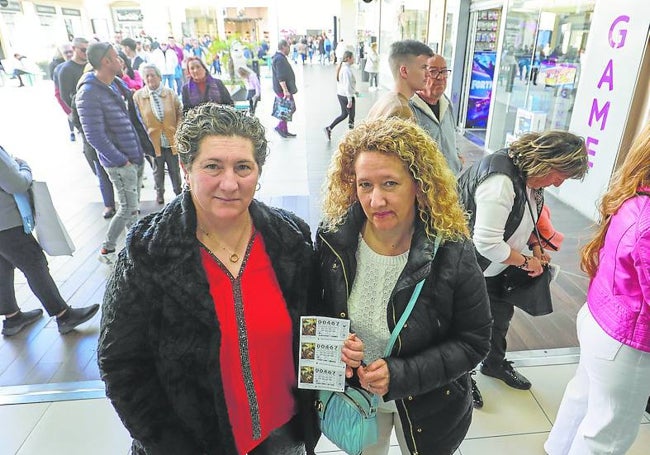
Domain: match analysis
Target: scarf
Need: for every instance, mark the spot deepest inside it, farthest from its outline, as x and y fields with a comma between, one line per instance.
x=159, y=112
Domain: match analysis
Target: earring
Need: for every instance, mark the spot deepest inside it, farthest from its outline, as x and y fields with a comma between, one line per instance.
x=259, y=185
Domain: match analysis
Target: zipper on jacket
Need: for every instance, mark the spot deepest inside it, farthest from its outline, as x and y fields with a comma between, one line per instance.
x=345, y=274
x=406, y=412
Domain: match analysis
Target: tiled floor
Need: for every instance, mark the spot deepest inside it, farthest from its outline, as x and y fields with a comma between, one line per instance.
x=58, y=421
x=512, y=422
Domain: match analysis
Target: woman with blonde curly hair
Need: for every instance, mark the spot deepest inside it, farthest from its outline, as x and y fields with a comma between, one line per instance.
x=498, y=191
x=603, y=404
x=392, y=219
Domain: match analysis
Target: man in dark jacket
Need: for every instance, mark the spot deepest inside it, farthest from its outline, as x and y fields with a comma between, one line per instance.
x=102, y=101
x=284, y=82
x=66, y=80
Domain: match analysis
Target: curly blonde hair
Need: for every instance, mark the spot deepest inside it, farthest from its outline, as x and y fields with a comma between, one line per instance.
x=538, y=154
x=633, y=174
x=437, y=200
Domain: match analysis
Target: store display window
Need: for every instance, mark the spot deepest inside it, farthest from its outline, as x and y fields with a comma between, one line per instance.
x=539, y=68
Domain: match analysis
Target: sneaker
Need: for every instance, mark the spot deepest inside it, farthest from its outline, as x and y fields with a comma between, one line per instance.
x=11, y=326
x=328, y=133
x=477, y=398
x=72, y=137
x=106, y=256
x=109, y=212
x=160, y=199
x=74, y=317
x=507, y=374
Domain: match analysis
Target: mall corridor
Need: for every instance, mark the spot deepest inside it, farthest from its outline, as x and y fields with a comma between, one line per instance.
x=51, y=398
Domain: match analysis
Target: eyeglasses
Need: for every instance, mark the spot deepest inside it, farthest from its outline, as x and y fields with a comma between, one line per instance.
x=435, y=73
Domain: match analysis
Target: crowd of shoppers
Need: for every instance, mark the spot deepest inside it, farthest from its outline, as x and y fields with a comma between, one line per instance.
x=394, y=214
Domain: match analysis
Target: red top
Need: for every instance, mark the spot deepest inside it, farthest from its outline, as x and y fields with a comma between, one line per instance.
x=257, y=364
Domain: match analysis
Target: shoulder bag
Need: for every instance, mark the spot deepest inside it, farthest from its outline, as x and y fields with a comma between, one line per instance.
x=531, y=294
x=349, y=418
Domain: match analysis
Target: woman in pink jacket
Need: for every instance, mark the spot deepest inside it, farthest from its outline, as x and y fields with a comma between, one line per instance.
x=603, y=404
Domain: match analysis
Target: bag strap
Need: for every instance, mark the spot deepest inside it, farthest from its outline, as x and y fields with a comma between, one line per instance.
x=537, y=234
x=409, y=308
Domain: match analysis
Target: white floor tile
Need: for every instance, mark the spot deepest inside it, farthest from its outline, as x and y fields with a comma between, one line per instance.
x=549, y=383
x=17, y=423
x=523, y=444
x=641, y=445
x=507, y=411
x=78, y=428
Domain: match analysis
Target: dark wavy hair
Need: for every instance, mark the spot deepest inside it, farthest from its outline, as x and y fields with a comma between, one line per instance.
x=211, y=119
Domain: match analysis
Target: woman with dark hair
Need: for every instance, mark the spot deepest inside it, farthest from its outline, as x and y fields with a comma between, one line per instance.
x=201, y=321
x=497, y=191
x=603, y=404
x=201, y=87
x=131, y=77
x=346, y=90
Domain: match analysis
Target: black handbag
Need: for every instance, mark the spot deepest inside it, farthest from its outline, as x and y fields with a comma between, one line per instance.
x=531, y=294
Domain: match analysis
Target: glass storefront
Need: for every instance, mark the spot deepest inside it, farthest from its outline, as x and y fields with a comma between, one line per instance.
x=539, y=67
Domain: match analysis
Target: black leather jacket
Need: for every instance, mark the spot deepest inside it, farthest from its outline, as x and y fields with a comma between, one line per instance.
x=159, y=343
x=447, y=334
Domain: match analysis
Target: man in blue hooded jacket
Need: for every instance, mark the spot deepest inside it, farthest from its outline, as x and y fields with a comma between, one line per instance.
x=113, y=128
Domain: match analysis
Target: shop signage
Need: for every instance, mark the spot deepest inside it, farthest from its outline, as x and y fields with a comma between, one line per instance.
x=128, y=15
x=45, y=9
x=610, y=68
x=70, y=12
x=12, y=6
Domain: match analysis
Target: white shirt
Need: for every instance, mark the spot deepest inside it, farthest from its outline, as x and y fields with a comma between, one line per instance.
x=347, y=83
x=494, y=199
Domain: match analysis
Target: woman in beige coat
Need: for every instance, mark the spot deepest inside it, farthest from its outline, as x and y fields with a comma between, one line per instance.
x=161, y=112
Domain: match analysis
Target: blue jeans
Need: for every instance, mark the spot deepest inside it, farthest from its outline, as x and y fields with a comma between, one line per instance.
x=20, y=250
x=105, y=185
x=168, y=80
x=127, y=181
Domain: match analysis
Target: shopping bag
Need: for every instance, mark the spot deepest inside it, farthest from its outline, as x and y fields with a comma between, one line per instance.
x=283, y=108
x=50, y=231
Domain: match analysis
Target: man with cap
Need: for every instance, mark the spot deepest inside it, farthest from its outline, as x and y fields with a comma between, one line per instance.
x=113, y=128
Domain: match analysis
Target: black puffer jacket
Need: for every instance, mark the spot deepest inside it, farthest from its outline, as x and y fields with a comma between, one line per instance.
x=447, y=334
x=160, y=340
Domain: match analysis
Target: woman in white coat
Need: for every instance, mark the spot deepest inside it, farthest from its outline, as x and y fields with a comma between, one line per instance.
x=345, y=91
x=372, y=66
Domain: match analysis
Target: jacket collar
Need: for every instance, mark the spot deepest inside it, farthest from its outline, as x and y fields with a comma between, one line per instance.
x=346, y=238
x=419, y=103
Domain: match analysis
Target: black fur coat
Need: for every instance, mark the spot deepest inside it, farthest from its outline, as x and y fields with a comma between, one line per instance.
x=160, y=339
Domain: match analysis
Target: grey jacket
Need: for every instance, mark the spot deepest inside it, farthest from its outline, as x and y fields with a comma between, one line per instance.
x=442, y=131
x=15, y=177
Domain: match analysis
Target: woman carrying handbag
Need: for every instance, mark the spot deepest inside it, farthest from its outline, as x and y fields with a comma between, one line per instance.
x=495, y=192
x=376, y=242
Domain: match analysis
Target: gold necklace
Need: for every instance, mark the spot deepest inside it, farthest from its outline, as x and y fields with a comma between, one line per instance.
x=234, y=257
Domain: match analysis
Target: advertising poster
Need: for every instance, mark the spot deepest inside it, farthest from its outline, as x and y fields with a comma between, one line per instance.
x=480, y=90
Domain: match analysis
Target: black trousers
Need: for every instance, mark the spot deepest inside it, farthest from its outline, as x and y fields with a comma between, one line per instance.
x=167, y=158
x=345, y=112
x=502, y=313
x=286, y=440
x=22, y=251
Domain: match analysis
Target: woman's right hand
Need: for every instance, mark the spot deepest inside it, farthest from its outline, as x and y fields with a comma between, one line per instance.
x=352, y=354
x=534, y=266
